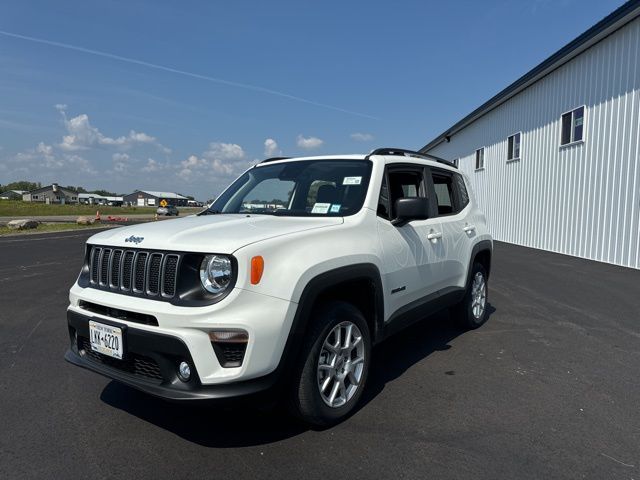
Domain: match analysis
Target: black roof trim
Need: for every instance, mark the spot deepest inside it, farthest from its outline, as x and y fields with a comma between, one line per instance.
x=614, y=21
x=409, y=153
x=273, y=159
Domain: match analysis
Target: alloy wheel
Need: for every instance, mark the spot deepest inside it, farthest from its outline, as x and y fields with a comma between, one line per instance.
x=341, y=364
x=478, y=295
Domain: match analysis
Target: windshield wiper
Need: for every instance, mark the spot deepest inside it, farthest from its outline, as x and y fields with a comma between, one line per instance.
x=210, y=212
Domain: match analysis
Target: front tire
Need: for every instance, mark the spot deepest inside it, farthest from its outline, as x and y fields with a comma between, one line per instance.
x=333, y=366
x=471, y=312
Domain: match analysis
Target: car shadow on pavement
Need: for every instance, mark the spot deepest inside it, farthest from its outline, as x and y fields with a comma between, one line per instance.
x=242, y=425
x=401, y=351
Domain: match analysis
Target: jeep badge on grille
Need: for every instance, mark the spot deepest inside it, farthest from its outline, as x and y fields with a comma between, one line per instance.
x=134, y=239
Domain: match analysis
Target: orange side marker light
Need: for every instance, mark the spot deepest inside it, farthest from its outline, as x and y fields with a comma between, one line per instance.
x=257, y=267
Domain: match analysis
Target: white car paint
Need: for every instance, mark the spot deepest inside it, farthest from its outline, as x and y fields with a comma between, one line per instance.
x=295, y=250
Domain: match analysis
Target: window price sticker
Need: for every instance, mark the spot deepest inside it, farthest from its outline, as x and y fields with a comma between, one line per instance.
x=352, y=181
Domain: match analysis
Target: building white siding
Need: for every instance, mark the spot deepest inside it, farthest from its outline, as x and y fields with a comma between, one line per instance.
x=583, y=199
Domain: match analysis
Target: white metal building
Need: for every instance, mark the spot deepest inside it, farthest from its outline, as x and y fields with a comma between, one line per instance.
x=554, y=158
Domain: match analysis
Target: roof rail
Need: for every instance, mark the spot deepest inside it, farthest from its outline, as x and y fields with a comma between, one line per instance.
x=410, y=153
x=273, y=159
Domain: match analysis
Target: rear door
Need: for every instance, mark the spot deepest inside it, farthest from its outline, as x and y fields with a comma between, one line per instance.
x=451, y=204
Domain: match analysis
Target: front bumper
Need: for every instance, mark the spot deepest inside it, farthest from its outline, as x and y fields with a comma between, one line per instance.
x=266, y=319
x=151, y=364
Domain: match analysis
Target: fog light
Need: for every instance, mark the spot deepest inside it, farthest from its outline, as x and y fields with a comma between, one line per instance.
x=229, y=346
x=184, y=371
x=229, y=336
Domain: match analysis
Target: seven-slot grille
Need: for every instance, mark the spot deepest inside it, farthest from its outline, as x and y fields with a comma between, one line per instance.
x=152, y=274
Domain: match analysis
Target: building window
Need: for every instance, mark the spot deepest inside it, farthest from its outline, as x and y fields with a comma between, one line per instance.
x=572, y=126
x=513, y=148
x=480, y=159
x=34, y=197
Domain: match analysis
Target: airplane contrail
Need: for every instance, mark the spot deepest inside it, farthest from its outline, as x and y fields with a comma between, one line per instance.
x=165, y=68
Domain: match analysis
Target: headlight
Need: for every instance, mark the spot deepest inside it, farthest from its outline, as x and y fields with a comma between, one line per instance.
x=215, y=273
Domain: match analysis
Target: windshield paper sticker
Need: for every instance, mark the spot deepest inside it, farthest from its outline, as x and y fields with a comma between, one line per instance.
x=320, y=207
x=335, y=208
x=352, y=181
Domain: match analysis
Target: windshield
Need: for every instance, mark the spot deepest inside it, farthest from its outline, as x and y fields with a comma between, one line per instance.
x=301, y=188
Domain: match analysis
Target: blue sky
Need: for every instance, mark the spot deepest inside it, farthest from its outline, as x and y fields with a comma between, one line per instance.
x=183, y=96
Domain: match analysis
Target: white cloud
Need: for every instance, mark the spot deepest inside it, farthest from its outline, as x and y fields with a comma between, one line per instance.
x=188, y=166
x=271, y=148
x=361, y=137
x=152, y=166
x=309, y=143
x=120, y=162
x=225, y=151
x=222, y=160
x=80, y=163
x=81, y=135
x=44, y=149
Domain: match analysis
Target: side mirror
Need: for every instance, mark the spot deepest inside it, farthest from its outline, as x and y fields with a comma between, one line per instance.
x=410, y=208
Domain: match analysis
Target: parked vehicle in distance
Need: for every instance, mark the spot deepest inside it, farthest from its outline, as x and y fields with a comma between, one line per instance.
x=168, y=211
x=285, y=282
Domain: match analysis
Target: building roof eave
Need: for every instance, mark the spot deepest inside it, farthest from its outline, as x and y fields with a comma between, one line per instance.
x=608, y=25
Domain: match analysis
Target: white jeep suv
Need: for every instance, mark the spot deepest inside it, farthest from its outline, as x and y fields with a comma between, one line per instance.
x=285, y=282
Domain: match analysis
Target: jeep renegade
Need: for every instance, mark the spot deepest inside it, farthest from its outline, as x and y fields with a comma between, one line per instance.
x=285, y=282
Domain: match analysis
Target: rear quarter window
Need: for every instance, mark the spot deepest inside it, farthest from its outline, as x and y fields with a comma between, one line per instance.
x=461, y=187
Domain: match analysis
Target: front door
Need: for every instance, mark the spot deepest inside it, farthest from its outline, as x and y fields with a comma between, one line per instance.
x=412, y=255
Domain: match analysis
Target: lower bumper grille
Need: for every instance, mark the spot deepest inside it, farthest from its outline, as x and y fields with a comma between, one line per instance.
x=134, y=364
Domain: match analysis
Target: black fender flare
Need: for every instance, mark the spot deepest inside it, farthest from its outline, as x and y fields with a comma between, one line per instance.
x=312, y=291
x=481, y=246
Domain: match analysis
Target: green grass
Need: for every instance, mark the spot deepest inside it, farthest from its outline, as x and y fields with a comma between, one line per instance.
x=13, y=208
x=49, y=227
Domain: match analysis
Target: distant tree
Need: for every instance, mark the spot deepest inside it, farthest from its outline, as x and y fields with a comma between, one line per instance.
x=21, y=185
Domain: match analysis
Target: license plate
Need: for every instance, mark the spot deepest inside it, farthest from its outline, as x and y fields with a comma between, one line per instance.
x=106, y=339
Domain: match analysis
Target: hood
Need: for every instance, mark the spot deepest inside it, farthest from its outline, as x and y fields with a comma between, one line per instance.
x=222, y=233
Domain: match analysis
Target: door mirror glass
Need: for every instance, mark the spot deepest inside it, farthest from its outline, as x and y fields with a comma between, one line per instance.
x=410, y=208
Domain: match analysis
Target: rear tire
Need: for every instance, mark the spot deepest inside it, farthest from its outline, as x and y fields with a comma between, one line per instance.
x=471, y=312
x=333, y=366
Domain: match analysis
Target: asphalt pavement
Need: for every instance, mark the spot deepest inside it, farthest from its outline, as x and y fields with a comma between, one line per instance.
x=547, y=389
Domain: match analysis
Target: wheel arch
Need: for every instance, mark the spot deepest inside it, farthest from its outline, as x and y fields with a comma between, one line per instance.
x=482, y=253
x=359, y=284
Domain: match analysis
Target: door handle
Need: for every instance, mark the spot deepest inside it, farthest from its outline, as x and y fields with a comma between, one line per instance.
x=469, y=228
x=434, y=236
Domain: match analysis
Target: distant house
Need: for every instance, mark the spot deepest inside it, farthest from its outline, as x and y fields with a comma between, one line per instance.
x=12, y=195
x=149, y=198
x=51, y=194
x=95, y=199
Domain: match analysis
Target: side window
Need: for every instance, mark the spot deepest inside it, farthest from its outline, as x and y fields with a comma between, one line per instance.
x=404, y=183
x=463, y=195
x=383, y=200
x=444, y=189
